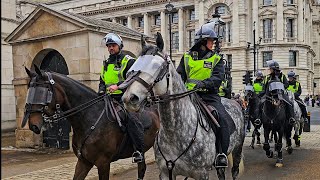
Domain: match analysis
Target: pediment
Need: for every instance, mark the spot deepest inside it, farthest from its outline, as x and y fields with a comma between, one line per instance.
x=290, y=11
x=43, y=23
x=268, y=12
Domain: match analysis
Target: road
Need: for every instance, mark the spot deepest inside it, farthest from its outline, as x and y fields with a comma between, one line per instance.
x=46, y=164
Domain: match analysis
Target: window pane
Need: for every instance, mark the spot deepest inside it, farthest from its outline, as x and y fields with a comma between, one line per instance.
x=191, y=38
x=221, y=10
x=157, y=20
x=175, y=40
x=289, y=1
x=289, y=27
x=124, y=22
x=267, y=2
x=267, y=29
x=192, y=14
x=267, y=56
x=141, y=22
x=229, y=60
x=175, y=17
x=292, y=58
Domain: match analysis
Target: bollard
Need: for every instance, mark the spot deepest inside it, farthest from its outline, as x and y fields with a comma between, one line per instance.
x=306, y=127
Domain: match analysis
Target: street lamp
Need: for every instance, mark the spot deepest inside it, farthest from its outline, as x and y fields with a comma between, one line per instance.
x=255, y=47
x=169, y=8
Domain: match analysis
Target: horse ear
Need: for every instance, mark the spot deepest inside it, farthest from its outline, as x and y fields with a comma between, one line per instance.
x=30, y=74
x=159, y=41
x=37, y=70
x=143, y=41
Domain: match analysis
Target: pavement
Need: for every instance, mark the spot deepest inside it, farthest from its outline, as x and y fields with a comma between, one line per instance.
x=56, y=165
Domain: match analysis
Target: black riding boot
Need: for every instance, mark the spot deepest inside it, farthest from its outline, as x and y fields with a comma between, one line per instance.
x=257, y=121
x=135, y=130
x=290, y=113
x=223, y=143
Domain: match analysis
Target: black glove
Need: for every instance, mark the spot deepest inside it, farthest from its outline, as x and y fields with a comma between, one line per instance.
x=100, y=93
x=200, y=85
x=296, y=95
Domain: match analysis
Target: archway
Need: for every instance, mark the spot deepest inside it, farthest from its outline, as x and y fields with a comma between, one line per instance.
x=57, y=134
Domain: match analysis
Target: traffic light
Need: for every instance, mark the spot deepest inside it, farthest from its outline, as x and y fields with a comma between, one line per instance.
x=250, y=74
x=247, y=78
x=314, y=84
x=244, y=79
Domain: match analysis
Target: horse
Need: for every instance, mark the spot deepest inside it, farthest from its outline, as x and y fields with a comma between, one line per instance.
x=274, y=119
x=299, y=124
x=253, y=112
x=97, y=137
x=186, y=143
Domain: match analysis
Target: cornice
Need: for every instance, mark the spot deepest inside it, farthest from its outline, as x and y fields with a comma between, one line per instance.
x=10, y=20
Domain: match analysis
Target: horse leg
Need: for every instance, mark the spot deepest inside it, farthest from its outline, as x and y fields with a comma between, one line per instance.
x=221, y=173
x=258, y=135
x=141, y=170
x=271, y=137
x=253, y=139
x=236, y=157
x=104, y=171
x=278, y=147
x=266, y=145
x=82, y=169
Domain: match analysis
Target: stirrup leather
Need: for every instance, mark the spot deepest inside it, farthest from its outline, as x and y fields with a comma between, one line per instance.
x=137, y=157
x=218, y=157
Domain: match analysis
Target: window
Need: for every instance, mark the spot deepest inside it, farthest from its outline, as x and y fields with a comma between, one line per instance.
x=292, y=58
x=267, y=29
x=289, y=1
x=267, y=56
x=175, y=40
x=229, y=60
x=289, y=27
x=175, y=17
x=221, y=10
x=267, y=2
x=157, y=20
x=191, y=38
x=125, y=22
x=141, y=22
x=192, y=15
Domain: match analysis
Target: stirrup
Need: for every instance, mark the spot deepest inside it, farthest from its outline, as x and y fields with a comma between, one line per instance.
x=137, y=157
x=257, y=122
x=292, y=120
x=223, y=164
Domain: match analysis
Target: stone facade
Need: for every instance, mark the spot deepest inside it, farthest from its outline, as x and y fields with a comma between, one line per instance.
x=76, y=38
x=284, y=41
x=8, y=102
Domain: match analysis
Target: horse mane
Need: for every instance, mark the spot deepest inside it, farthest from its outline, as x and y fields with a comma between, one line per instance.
x=149, y=50
x=80, y=86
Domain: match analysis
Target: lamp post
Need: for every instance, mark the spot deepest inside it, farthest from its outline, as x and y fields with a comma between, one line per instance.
x=169, y=8
x=255, y=47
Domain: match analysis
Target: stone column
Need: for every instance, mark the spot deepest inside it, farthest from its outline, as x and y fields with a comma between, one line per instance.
x=280, y=23
x=201, y=14
x=255, y=18
x=129, y=21
x=300, y=21
x=181, y=30
x=164, y=26
x=235, y=21
x=146, y=24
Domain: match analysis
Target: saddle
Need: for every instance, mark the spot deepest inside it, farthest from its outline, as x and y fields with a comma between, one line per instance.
x=207, y=110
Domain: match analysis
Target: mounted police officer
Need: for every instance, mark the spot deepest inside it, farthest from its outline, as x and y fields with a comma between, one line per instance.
x=275, y=72
x=258, y=82
x=113, y=73
x=203, y=69
x=295, y=87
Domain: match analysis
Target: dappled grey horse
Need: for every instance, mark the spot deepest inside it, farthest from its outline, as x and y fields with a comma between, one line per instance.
x=298, y=125
x=186, y=144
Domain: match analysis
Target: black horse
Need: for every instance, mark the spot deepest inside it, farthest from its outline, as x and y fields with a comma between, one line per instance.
x=252, y=112
x=274, y=118
x=97, y=137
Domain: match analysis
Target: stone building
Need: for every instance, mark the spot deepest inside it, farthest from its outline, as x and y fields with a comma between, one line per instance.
x=65, y=43
x=286, y=30
x=8, y=104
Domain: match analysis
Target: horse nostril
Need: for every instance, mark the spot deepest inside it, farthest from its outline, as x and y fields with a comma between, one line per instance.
x=35, y=129
x=134, y=99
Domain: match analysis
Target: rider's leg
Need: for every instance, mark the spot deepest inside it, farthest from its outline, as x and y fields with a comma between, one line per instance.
x=223, y=136
x=135, y=130
x=289, y=110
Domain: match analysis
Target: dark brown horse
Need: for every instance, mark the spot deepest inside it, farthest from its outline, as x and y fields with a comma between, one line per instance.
x=97, y=137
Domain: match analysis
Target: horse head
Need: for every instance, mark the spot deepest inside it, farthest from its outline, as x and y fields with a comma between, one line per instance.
x=275, y=92
x=147, y=75
x=43, y=99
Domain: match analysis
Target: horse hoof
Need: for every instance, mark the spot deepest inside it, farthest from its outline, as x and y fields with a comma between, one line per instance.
x=290, y=150
x=279, y=164
x=270, y=155
x=251, y=146
x=258, y=143
x=297, y=145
